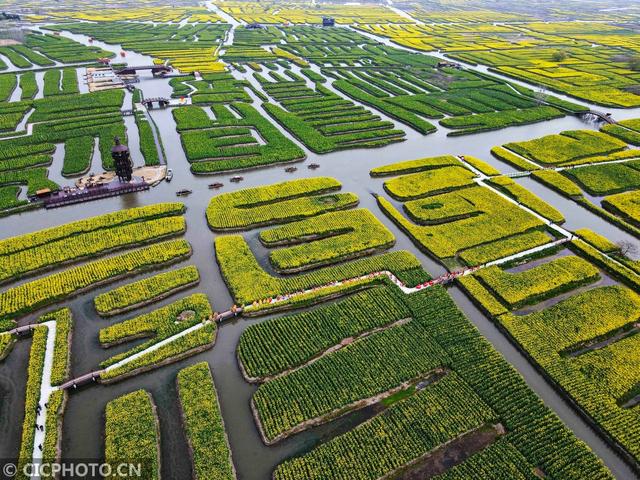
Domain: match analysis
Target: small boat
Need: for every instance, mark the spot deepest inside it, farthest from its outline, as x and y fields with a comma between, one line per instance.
x=313, y=166
x=169, y=175
x=236, y=179
x=290, y=169
x=216, y=185
x=184, y=192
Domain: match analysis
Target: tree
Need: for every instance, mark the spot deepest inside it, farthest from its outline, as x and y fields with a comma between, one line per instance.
x=634, y=63
x=626, y=248
x=559, y=56
x=540, y=97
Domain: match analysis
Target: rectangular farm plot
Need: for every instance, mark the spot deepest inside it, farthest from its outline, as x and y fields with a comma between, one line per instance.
x=586, y=343
x=567, y=147
x=429, y=182
x=278, y=203
x=140, y=444
x=229, y=143
x=301, y=107
x=538, y=283
x=326, y=239
x=608, y=179
x=497, y=219
x=627, y=205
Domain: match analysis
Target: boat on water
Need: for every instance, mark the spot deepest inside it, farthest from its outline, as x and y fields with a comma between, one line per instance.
x=169, y=175
x=313, y=166
x=184, y=192
x=290, y=169
x=216, y=185
x=236, y=179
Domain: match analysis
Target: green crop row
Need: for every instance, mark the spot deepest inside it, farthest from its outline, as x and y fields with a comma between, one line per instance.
x=147, y=141
x=598, y=241
x=14, y=57
x=142, y=292
x=25, y=162
x=481, y=165
x=132, y=433
x=6, y=342
x=51, y=448
x=30, y=296
x=482, y=296
x=32, y=396
x=513, y=159
x=204, y=426
x=276, y=345
x=557, y=182
x=277, y=203
x=328, y=238
x=482, y=122
x=413, y=166
x=77, y=155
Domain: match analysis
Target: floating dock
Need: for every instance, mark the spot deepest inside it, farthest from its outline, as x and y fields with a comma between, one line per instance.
x=87, y=194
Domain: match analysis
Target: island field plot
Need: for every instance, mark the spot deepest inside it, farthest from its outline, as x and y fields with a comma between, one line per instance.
x=300, y=13
x=300, y=110
x=598, y=169
x=166, y=42
x=320, y=232
x=372, y=372
x=579, y=326
x=458, y=220
x=429, y=89
x=229, y=142
x=586, y=60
